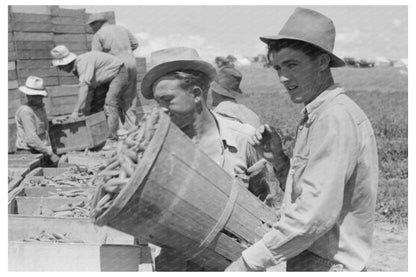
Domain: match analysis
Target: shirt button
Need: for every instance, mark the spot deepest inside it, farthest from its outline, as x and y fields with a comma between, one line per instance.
x=292, y=171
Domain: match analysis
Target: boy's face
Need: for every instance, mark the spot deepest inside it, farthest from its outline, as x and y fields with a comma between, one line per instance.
x=298, y=73
x=180, y=103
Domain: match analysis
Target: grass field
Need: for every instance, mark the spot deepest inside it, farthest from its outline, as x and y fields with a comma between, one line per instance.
x=383, y=95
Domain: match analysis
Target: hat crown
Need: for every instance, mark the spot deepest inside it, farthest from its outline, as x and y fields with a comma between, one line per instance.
x=310, y=26
x=229, y=78
x=173, y=54
x=60, y=52
x=35, y=83
x=97, y=17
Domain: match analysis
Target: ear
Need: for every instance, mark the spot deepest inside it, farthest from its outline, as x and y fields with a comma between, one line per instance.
x=198, y=95
x=324, y=61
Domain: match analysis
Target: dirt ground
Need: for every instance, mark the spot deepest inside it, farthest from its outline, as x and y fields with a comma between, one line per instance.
x=390, y=250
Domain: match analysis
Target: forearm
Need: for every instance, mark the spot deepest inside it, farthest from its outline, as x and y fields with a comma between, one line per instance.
x=82, y=98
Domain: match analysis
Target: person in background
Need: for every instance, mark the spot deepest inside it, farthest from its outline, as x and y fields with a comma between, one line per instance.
x=329, y=204
x=221, y=62
x=179, y=81
x=224, y=90
x=120, y=42
x=32, y=121
x=103, y=78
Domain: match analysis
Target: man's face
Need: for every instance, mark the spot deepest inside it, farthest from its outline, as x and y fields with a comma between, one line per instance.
x=67, y=68
x=298, y=73
x=34, y=100
x=179, y=102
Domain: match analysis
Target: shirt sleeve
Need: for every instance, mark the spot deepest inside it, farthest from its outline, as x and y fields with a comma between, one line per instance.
x=85, y=71
x=96, y=43
x=32, y=139
x=333, y=151
x=133, y=41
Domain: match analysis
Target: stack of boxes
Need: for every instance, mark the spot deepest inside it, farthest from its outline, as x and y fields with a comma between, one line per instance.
x=32, y=32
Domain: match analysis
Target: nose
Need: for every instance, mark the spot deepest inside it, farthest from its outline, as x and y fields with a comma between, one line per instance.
x=283, y=79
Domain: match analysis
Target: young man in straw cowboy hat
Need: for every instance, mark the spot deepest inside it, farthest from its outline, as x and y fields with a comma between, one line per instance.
x=32, y=121
x=225, y=89
x=329, y=203
x=120, y=42
x=179, y=81
x=102, y=75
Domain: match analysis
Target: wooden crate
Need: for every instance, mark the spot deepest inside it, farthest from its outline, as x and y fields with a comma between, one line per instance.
x=44, y=256
x=62, y=99
x=38, y=9
x=23, y=226
x=87, y=132
x=33, y=64
x=31, y=17
x=78, y=13
x=31, y=36
x=39, y=72
x=31, y=205
x=65, y=21
x=69, y=29
x=24, y=160
x=62, y=39
x=37, y=54
x=47, y=172
x=43, y=27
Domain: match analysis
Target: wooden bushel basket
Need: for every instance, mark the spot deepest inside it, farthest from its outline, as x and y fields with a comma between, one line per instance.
x=180, y=199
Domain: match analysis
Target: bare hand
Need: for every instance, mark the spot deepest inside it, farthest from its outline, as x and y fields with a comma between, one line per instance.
x=73, y=116
x=54, y=158
x=268, y=142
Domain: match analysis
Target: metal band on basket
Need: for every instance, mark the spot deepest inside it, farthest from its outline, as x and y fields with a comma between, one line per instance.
x=221, y=221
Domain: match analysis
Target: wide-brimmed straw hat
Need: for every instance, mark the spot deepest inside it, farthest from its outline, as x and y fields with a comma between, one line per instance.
x=62, y=56
x=227, y=82
x=170, y=60
x=33, y=86
x=311, y=27
x=97, y=17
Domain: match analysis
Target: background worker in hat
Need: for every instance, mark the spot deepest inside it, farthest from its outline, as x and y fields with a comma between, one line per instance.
x=120, y=42
x=32, y=121
x=96, y=70
x=179, y=81
x=225, y=89
x=329, y=202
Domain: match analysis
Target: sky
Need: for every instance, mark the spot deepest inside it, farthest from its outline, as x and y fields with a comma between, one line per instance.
x=362, y=31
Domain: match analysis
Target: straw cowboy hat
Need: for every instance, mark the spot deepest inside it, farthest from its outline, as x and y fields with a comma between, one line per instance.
x=33, y=86
x=311, y=27
x=173, y=59
x=62, y=56
x=227, y=82
x=96, y=17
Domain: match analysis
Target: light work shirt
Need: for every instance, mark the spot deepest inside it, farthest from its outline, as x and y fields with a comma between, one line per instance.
x=33, y=129
x=96, y=68
x=330, y=196
x=113, y=39
x=238, y=111
x=237, y=154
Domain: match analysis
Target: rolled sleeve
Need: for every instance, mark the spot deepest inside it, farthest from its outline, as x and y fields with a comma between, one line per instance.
x=332, y=156
x=86, y=72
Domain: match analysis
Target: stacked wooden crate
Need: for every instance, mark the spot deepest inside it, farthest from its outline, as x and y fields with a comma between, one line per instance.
x=33, y=32
x=35, y=209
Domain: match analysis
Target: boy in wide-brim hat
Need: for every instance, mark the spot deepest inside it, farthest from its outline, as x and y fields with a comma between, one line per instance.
x=179, y=81
x=330, y=194
x=32, y=121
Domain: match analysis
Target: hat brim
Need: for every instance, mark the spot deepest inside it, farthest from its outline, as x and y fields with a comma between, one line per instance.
x=162, y=69
x=97, y=19
x=225, y=92
x=29, y=91
x=60, y=62
x=335, y=60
